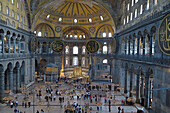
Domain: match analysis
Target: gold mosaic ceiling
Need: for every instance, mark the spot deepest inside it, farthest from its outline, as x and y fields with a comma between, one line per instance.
x=73, y=9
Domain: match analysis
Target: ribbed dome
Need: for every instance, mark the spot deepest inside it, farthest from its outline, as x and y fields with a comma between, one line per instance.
x=69, y=10
x=45, y=29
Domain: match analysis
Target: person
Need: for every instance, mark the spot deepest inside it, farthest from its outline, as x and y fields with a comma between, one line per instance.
x=42, y=111
x=25, y=104
x=15, y=110
x=54, y=97
x=119, y=109
x=123, y=110
x=109, y=108
x=29, y=104
x=37, y=111
x=11, y=104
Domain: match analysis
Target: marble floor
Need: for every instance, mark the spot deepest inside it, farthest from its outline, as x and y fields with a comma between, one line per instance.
x=65, y=89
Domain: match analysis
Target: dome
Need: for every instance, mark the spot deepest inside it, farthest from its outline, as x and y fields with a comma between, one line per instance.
x=44, y=30
x=75, y=12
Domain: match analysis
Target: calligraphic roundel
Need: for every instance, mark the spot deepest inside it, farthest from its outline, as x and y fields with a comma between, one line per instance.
x=92, y=46
x=164, y=35
x=57, y=46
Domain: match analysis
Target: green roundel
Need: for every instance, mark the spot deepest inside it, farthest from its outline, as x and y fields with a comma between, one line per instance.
x=57, y=46
x=92, y=46
x=164, y=35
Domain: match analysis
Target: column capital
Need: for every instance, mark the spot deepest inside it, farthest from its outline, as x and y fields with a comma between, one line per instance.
x=9, y=35
x=14, y=37
x=18, y=38
x=2, y=34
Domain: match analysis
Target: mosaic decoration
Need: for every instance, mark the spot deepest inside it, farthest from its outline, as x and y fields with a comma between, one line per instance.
x=92, y=29
x=164, y=35
x=58, y=29
x=57, y=46
x=92, y=46
x=34, y=44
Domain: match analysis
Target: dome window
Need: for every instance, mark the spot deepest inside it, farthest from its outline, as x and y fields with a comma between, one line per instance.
x=66, y=36
x=60, y=19
x=90, y=20
x=34, y=32
x=80, y=36
x=39, y=34
x=75, y=20
x=75, y=36
x=71, y=36
x=48, y=16
x=101, y=17
x=104, y=34
x=84, y=36
x=110, y=34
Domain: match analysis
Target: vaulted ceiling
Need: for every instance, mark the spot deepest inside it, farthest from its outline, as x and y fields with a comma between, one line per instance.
x=70, y=8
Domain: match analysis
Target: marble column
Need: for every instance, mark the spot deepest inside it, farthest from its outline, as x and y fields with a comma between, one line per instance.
x=125, y=47
x=125, y=87
x=138, y=87
x=138, y=45
x=129, y=47
x=14, y=44
x=40, y=48
x=150, y=50
x=3, y=42
x=2, y=85
x=144, y=43
x=142, y=87
x=18, y=79
x=19, y=45
x=133, y=53
x=131, y=82
x=9, y=44
x=11, y=80
x=146, y=104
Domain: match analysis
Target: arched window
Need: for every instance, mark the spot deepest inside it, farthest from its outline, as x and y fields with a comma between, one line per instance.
x=13, y=14
x=141, y=9
x=7, y=10
x=7, y=21
x=104, y=34
x=13, y=24
x=110, y=34
x=75, y=61
x=104, y=49
x=132, y=2
x=131, y=16
x=147, y=4
x=75, y=36
x=136, y=13
x=105, y=61
x=45, y=34
x=18, y=4
x=18, y=17
x=0, y=6
x=39, y=34
x=67, y=50
x=67, y=60
x=83, y=50
x=136, y=46
x=83, y=61
x=75, y=50
x=75, y=20
x=71, y=36
x=80, y=36
x=12, y=1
